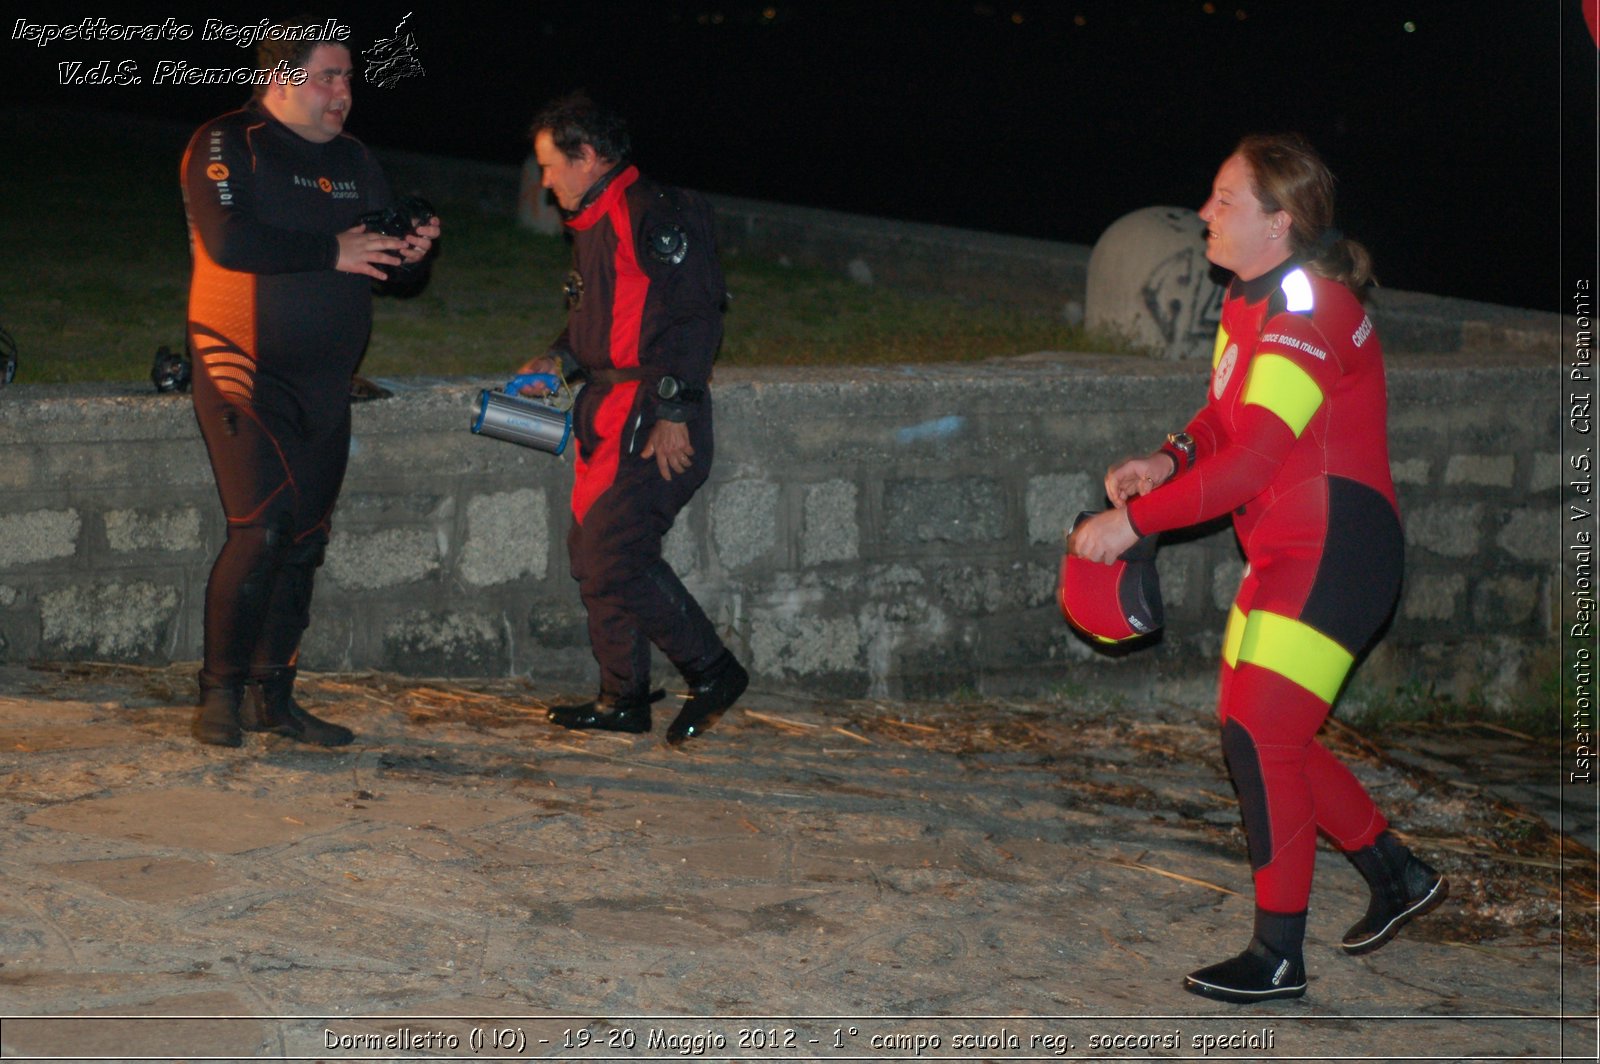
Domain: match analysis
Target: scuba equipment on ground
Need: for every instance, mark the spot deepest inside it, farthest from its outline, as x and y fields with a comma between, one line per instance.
x=170, y=372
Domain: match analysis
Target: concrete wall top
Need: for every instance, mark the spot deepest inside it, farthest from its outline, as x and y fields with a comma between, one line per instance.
x=1064, y=381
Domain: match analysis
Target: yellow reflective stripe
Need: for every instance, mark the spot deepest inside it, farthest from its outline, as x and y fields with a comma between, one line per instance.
x=1276, y=383
x=1295, y=651
x=1220, y=346
x=1232, y=636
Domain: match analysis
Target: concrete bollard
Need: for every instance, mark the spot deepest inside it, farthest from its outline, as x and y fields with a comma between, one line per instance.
x=1149, y=282
x=534, y=208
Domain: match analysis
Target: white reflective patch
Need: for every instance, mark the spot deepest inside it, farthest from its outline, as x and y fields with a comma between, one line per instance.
x=1297, y=287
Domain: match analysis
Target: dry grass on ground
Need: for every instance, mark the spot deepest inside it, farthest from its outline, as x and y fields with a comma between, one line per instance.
x=1511, y=872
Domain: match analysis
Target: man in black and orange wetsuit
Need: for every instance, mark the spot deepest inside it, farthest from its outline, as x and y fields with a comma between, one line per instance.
x=280, y=306
x=645, y=299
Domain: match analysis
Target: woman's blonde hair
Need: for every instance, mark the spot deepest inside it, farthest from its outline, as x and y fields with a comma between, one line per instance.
x=1287, y=174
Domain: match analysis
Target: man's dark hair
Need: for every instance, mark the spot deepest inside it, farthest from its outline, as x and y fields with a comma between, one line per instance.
x=576, y=120
x=293, y=54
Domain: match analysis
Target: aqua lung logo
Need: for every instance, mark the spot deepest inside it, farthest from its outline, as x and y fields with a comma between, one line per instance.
x=336, y=189
x=217, y=170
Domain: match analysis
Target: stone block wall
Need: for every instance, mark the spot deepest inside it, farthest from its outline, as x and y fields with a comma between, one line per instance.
x=885, y=531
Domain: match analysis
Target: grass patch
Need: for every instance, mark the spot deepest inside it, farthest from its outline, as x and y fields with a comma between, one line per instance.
x=786, y=315
x=1415, y=703
x=97, y=277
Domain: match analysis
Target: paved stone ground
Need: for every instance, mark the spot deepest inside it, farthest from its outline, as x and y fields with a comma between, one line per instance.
x=866, y=881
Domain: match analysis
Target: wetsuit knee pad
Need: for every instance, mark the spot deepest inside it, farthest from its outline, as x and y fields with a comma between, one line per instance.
x=308, y=554
x=666, y=582
x=300, y=564
x=258, y=552
x=1244, y=764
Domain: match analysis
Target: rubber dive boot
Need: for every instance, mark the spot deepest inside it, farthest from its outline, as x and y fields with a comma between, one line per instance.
x=608, y=712
x=216, y=722
x=269, y=706
x=710, y=695
x=1403, y=888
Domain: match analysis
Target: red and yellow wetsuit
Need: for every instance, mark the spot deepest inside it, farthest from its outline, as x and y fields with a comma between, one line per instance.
x=1293, y=443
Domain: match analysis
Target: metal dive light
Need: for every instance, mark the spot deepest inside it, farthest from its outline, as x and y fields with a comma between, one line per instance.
x=527, y=421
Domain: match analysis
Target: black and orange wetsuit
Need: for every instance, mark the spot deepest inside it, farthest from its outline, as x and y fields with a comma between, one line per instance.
x=644, y=303
x=1293, y=443
x=275, y=333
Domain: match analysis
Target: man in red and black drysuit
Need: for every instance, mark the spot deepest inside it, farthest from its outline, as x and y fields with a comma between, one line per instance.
x=280, y=306
x=1293, y=442
x=645, y=299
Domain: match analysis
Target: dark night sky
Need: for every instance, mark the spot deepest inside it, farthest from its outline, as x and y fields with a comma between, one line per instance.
x=1049, y=119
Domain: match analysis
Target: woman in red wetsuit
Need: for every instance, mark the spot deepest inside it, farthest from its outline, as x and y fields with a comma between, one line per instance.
x=1292, y=442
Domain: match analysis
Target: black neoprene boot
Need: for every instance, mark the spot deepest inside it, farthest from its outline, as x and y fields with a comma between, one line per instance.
x=269, y=706
x=608, y=712
x=216, y=722
x=1403, y=888
x=1272, y=966
x=710, y=694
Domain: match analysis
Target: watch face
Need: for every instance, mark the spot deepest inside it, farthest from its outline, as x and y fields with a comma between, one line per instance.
x=667, y=388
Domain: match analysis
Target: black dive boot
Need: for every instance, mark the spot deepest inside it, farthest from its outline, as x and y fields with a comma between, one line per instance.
x=710, y=694
x=1271, y=967
x=269, y=706
x=621, y=713
x=216, y=722
x=1403, y=887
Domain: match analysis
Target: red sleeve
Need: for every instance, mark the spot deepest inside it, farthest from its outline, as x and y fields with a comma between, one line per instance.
x=1206, y=433
x=1288, y=378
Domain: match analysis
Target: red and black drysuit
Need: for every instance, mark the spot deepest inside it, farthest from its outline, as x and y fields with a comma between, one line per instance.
x=645, y=300
x=275, y=332
x=1293, y=442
